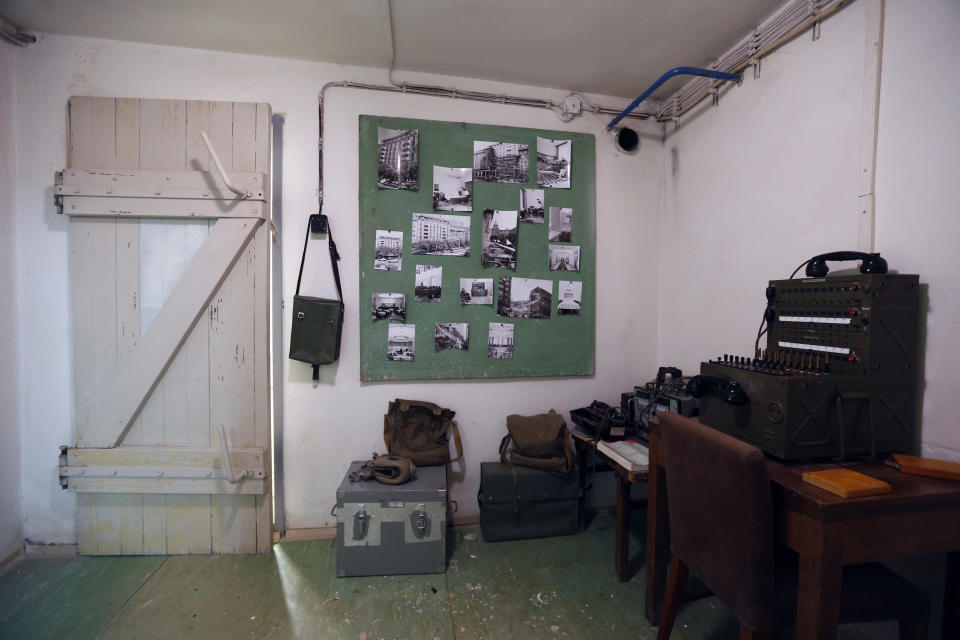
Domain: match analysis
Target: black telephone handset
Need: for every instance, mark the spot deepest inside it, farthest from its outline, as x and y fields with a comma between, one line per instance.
x=870, y=262
x=730, y=390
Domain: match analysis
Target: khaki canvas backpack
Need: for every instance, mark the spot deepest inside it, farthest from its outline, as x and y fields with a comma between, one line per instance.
x=540, y=442
x=418, y=430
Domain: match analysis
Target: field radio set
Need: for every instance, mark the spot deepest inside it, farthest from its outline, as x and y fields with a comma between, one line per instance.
x=838, y=376
x=667, y=392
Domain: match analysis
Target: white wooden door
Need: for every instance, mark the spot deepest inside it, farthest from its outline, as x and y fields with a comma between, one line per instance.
x=170, y=298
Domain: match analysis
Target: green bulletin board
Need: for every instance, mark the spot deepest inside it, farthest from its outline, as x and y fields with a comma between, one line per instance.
x=560, y=345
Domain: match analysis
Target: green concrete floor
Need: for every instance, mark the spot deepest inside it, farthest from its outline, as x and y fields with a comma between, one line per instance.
x=560, y=587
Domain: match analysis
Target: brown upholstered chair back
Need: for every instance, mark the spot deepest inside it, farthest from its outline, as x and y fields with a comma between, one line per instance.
x=721, y=519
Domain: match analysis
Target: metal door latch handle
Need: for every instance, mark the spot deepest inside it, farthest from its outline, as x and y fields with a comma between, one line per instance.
x=420, y=522
x=361, y=524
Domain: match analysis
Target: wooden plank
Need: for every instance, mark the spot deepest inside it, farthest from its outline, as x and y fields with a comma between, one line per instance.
x=174, y=380
x=151, y=159
x=173, y=135
x=244, y=137
x=154, y=523
x=221, y=132
x=263, y=364
x=174, y=183
x=87, y=524
x=124, y=207
x=184, y=486
x=151, y=146
x=186, y=457
x=198, y=119
x=126, y=394
x=188, y=524
x=197, y=358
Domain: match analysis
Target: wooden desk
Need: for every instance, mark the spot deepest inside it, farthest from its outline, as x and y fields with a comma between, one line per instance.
x=921, y=516
x=585, y=445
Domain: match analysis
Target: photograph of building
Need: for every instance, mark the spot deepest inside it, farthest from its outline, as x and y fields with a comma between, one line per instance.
x=524, y=297
x=569, y=294
x=451, y=335
x=427, y=284
x=498, y=247
x=400, y=341
x=501, y=162
x=563, y=257
x=388, y=253
x=476, y=290
x=500, y=341
x=561, y=224
x=389, y=306
x=553, y=163
x=398, y=161
x=452, y=189
x=531, y=206
x=440, y=235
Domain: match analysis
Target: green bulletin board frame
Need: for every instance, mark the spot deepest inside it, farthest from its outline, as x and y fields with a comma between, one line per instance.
x=555, y=346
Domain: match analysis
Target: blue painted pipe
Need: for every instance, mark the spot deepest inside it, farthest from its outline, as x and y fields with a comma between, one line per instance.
x=676, y=71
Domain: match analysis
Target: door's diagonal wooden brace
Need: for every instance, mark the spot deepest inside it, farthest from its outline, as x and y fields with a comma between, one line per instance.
x=122, y=399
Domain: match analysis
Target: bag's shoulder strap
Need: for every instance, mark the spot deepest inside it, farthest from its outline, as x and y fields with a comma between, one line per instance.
x=457, y=443
x=504, y=446
x=322, y=226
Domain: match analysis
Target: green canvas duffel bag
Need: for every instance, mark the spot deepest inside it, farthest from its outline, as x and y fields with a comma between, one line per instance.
x=518, y=502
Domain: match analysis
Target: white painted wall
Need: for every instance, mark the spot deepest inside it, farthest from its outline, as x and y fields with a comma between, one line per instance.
x=918, y=218
x=11, y=530
x=769, y=178
x=341, y=419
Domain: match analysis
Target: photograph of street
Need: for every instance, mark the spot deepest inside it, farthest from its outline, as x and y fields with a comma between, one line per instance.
x=400, y=341
x=476, y=290
x=389, y=306
x=451, y=335
x=388, y=254
x=398, y=160
x=569, y=293
x=498, y=246
x=501, y=162
x=524, y=297
x=531, y=206
x=563, y=257
x=427, y=283
x=452, y=189
x=440, y=234
x=553, y=163
x=561, y=225
x=500, y=341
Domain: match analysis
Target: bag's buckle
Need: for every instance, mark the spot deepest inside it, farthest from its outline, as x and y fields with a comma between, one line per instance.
x=300, y=315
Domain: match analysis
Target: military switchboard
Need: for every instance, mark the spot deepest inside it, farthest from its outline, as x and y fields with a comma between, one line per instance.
x=838, y=376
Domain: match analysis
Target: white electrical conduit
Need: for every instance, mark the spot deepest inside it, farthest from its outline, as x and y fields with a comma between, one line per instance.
x=12, y=34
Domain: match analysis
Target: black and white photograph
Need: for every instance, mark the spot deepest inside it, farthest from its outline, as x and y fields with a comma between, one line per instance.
x=524, y=297
x=501, y=162
x=500, y=341
x=388, y=254
x=389, y=306
x=440, y=234
x=531, y=206
x=476, y=290
x=452, y=189
x=563, y=257
x=499, y=242
x=553, y=163
x=451, y=335
x=398, y=159
x=569, y=293
x=400, y=341
x=428, y=282
x=561, y=224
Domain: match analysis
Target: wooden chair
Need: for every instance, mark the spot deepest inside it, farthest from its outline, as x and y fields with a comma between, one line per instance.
x=721, y=528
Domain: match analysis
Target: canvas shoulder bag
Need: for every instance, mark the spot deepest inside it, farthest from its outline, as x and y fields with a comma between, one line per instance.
x=317, y=322
x=418, y=430
x=539, y=442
